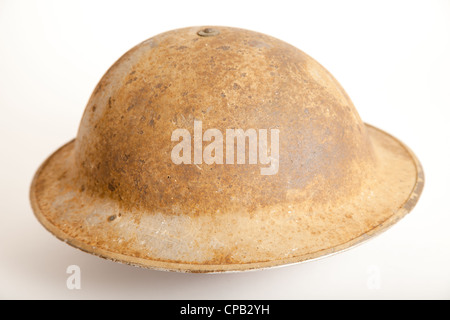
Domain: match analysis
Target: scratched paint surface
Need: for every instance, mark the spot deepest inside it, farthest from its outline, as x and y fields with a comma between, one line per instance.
x=115, y=192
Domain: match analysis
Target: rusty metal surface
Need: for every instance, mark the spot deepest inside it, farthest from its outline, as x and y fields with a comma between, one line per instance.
x=115, y=192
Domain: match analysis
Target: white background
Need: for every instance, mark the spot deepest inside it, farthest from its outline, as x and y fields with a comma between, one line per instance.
x=392, y=57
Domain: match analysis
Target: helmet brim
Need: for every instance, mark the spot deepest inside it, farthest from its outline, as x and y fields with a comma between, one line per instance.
x=229, y=241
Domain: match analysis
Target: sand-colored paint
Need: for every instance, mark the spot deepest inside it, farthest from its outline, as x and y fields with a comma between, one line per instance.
x=115, y=192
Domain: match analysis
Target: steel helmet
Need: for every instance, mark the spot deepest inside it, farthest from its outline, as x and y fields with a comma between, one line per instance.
x=211, y=149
